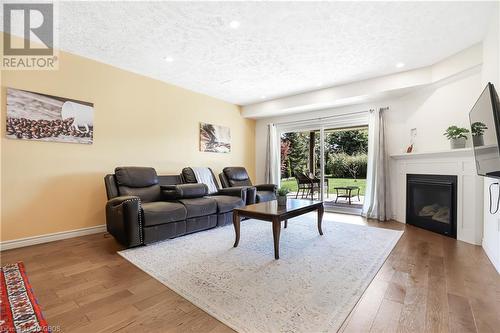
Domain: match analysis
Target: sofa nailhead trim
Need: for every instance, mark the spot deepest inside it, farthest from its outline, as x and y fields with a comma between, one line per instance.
x=139, y=219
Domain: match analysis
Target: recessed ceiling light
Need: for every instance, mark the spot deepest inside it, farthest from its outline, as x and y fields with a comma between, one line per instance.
x=234, y=24
x=169, y=59
x=263, y=96
x=400, y=65
x=319, y=84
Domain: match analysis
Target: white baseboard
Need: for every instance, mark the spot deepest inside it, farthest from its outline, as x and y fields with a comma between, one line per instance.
x=489, y=254
x=22, y=242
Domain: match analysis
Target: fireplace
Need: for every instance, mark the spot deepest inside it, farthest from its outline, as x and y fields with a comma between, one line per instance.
x=431, y=203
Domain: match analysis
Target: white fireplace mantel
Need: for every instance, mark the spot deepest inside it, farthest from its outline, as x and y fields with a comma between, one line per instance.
x=434, y=154
x=457, y=162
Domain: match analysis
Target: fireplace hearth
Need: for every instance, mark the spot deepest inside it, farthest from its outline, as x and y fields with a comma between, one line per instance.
x=431, y=203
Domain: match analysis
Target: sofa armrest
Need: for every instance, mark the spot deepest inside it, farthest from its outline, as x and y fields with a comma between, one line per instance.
x=240, y=192
x=267, y=187
x=124, y=220
x=183, y=191
x=167, y=187
x=124, y=199
x=191, y=190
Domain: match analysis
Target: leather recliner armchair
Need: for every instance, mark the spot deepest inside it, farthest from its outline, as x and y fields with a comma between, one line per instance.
x=141, y=211
x=238, y=176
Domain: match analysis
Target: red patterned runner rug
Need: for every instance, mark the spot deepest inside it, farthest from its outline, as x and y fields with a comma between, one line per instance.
x=19, y=310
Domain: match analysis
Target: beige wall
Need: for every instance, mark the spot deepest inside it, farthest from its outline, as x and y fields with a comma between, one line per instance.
x=52, y=187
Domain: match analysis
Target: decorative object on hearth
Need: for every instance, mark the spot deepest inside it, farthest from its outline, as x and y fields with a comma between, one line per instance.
x=33, y=116
x=19, y=309
x=282, y=193
x=457, y=136
x=215, y=138
x=413, y=136
x=477, y=129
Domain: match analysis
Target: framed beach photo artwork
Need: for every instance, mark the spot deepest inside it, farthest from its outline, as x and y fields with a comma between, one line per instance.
x=215, y=138
x=39, y=117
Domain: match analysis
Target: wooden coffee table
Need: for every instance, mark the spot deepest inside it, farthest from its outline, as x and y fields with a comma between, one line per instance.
x=271, y=212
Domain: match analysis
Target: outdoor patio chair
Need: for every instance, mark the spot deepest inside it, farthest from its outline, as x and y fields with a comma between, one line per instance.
x=316, y=184
x=304, y=183
x=308, y=185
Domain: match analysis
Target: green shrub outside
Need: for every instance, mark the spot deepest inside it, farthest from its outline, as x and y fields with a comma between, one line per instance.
x=346, y=166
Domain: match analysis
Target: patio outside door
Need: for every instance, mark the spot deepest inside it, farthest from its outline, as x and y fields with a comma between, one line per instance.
x=327, y=164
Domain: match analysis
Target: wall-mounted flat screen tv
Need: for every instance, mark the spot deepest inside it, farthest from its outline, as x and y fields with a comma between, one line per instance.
x=485, y=128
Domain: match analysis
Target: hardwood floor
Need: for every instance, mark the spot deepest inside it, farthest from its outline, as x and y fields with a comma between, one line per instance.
x=429, y=283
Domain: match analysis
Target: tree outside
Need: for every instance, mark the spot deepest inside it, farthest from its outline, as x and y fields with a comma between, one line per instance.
x=346, y=153
x=294, y=153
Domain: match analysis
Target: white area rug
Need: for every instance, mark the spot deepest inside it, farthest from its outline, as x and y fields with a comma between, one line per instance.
x=311, y=288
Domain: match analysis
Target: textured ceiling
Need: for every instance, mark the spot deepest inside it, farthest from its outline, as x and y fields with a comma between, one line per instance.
x=280, y=48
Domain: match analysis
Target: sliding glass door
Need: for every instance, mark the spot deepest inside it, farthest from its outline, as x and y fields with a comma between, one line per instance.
x=302, y=163
x=346, y=159
x=325, y=162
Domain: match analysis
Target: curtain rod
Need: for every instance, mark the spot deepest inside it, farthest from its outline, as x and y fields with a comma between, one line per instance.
x=322, y=118
x=335, y=116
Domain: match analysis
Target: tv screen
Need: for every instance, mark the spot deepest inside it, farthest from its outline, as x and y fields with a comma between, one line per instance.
x=485, y=127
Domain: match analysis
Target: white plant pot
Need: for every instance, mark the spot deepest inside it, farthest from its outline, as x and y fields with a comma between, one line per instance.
x=458, y=143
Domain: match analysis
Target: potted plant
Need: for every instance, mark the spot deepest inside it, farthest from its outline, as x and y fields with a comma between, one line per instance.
x=477, y=129
x=282, y=192
x=457, y=136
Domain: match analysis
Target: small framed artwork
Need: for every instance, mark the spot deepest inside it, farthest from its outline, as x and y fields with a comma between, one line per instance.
x=215, y=138
x=39, y=117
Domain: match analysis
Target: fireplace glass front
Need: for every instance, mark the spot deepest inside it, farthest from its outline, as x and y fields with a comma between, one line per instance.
x=431, y=202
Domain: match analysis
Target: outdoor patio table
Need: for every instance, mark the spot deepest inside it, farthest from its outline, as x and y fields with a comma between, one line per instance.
x=347, y=192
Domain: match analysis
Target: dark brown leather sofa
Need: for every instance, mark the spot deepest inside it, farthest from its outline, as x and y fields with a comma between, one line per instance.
x=143, y=207
x=231, y=177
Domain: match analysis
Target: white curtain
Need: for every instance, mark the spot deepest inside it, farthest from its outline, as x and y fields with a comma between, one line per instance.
x=377, y=177
x=272, y=155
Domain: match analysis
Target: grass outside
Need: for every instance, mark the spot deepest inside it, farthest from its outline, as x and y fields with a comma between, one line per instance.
x=291, y=184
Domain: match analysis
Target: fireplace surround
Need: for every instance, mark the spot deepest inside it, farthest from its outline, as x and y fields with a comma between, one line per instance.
x=469, y=187
x=431, y=202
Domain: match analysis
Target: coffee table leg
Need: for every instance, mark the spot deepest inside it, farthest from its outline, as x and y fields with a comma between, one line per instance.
x=321, y=211
x=276, y=236
x=286, y=223
x=236, y=223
